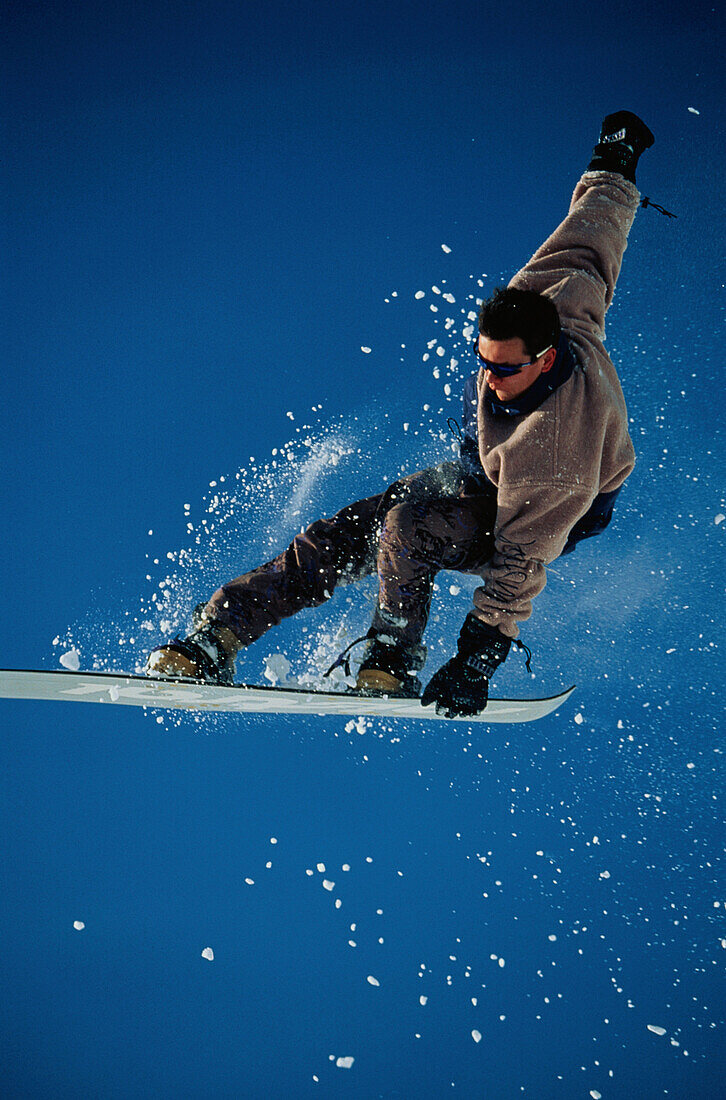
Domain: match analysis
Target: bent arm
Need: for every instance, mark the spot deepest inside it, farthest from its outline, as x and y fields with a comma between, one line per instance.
x=531, y=530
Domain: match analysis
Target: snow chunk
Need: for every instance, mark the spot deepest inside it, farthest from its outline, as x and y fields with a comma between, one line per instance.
x=71, y=660
x=656, y=1029
x=366, y=351
x=250, y=881
x=207, y=953
x=604, y=874
x=595, y=1094
x=321, y=868
x=277, y=668
x=372, y=981
x=113, y=693
x=476, y=1036
x=328, y=885
x=423, y=1000
x=344, y=1063
x=420, y=294
x=693, y=111
x=78, y=925
x=445, y=247
x=454, y=589
x=719, y=518
x=579, y=719
x=273, y=840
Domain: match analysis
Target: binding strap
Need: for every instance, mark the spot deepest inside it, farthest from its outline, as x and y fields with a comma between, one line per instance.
x=343, y=661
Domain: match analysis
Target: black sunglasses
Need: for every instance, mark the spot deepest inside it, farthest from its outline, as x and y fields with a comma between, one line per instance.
x=505, y=370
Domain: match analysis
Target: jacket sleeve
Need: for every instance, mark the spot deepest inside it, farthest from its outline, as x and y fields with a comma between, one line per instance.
x=531, y=529
x=578, y=265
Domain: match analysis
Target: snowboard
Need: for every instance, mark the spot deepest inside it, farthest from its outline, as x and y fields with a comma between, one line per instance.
x=191, y=695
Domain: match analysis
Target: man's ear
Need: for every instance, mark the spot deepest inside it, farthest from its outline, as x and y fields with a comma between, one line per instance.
x=549, y=360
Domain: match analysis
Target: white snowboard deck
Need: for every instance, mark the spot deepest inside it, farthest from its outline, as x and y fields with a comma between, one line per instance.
x=146, y=691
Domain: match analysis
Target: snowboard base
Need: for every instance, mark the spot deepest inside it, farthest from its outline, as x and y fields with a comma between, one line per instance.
x=163, y=694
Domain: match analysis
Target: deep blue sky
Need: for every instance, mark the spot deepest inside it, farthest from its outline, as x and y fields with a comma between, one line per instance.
x=207, y=210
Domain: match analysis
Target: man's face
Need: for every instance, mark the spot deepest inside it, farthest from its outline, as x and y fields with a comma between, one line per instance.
x=511, y=352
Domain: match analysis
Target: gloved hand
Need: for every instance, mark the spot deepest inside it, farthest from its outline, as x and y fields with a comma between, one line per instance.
x=461, y=687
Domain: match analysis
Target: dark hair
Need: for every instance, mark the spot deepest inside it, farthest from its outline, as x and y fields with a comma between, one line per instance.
x=525, y=314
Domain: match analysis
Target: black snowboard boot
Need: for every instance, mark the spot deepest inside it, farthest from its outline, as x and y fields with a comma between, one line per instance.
x=623, y=137
x=389, y=669
x=208, y=654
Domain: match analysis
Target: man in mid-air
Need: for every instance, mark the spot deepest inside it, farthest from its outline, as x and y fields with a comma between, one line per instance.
x=544, y=452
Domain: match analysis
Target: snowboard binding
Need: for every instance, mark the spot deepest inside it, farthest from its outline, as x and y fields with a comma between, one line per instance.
x=206, y=654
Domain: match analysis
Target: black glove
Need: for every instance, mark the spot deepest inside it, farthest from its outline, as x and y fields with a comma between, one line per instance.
x=461, y=687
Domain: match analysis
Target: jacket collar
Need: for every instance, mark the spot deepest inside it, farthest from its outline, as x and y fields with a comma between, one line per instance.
x=540, y=390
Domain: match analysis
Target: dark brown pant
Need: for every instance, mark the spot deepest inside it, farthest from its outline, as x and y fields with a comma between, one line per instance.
x=421, y=524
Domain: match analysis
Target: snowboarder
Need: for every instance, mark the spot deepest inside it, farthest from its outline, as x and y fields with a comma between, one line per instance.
x=544, y=452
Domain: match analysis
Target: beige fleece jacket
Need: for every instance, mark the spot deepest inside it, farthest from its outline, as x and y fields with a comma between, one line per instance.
x=550, y=464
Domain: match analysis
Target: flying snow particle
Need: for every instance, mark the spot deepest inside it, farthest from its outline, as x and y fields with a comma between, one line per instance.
x=321, y=868
x=366, y=351
x=476, y=1036
x=71, y=660
x=656, y=1030
x=454, y=589
x=344, y=1063
x=595, y=1094
x=250, y=881
x=328, y=885
x=207, y=953
x=78, y=925
x=604, y=874
x=423, y=1000
x=445, y=247
x=420, y=294
x=719, y=518
x=579, y=719
x=372, y=981
x=693, y=111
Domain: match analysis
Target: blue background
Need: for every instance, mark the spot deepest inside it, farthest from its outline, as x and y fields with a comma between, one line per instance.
x=208, y=211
